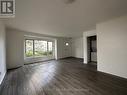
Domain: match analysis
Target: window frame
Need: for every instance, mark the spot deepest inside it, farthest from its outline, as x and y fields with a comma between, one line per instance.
x=34, y=56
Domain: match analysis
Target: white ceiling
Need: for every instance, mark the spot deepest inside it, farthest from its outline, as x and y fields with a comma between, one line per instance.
x=54, y=17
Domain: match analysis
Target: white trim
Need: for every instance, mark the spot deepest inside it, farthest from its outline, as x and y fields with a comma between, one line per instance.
x=3, y=75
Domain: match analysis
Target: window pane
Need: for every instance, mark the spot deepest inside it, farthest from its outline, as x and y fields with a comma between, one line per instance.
x=40, y=48
x=50, y=48
x=29, y=48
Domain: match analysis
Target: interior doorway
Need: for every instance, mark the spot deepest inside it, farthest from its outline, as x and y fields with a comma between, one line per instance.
x=92, y=49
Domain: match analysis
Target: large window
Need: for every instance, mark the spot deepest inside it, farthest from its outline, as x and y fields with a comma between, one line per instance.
x=38, y=48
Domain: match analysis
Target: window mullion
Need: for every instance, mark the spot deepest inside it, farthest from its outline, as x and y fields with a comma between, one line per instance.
x=47, y=49
x=33, y=48
x=25, y=46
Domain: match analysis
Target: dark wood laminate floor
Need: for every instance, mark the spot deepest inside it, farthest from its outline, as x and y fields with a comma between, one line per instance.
x=64, y=77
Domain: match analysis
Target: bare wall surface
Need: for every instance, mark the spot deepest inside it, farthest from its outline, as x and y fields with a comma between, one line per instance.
x=112, y=46
x=63, y=50
x=15, y=48
x=77, y=47
x=2, y=52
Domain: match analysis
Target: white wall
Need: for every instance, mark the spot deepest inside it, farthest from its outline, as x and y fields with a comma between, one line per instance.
x=112, y=46
x=64, y=51
x=2, y=52
x=77, y=47
x=85, y=35
x=15, y=47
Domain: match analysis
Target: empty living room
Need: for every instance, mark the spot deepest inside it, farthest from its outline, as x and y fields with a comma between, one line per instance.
x=63, y=47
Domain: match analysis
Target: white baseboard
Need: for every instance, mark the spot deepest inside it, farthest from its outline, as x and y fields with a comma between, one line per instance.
x=2, y=77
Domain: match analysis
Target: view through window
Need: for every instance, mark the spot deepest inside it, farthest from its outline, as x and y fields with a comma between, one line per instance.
x=38, y=48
